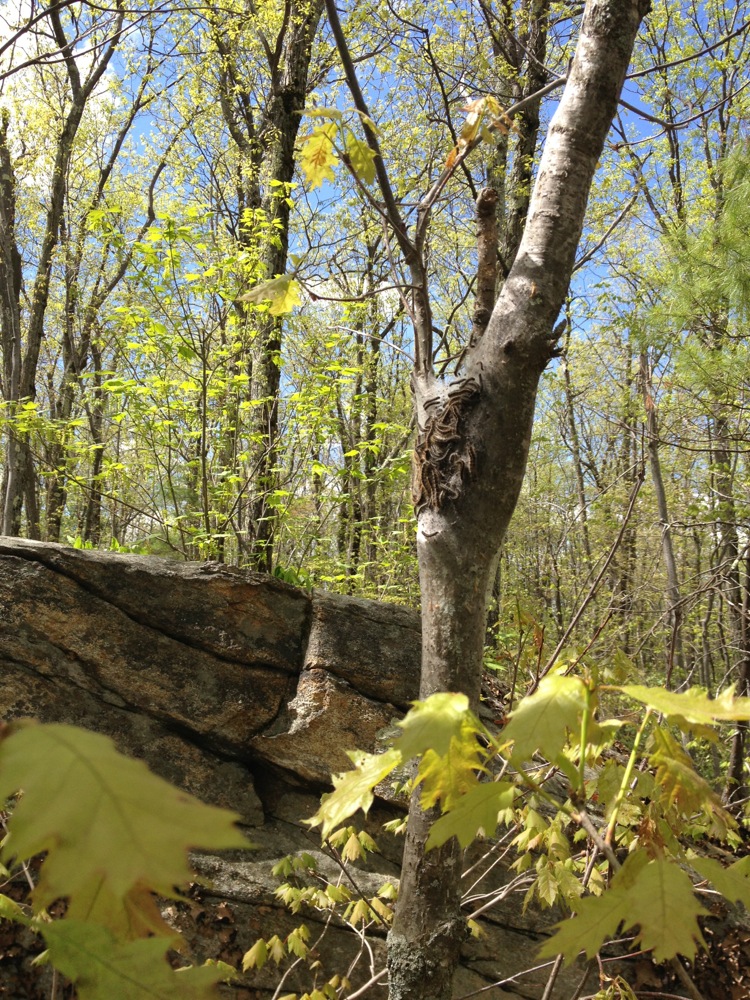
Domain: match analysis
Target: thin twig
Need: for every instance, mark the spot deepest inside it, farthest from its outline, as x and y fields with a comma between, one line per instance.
x=595, y=585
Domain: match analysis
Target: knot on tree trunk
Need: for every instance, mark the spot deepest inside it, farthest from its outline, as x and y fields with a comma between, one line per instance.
x=443, y=459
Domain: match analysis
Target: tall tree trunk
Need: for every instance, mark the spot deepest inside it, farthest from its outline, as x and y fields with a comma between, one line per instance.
x=267, y=147
x=11, y=278
x=471, y=456
x=730, y=570
x=674, y=606
x=20, y=484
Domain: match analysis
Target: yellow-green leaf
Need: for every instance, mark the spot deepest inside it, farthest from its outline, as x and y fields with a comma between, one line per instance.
x=113, y=831
x=256, y=957
x=361, y=158
x=103, y=968
x=296, y=942
x=282, y=292
x=353, y=790
x=432, y=724
x=445, y=779
x=475, y=812
x=663, y=903
x=732, y=882
x=596, y=919
x=542, y=721
x=656, y=896
x=693, y=706
x=332, y=113
x=10, y=910
x=317, y=155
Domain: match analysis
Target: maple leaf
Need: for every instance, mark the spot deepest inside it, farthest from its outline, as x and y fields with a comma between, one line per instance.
x=282, y=292
x=693, y=706
x=256, y=957
x=540, y=722
x=102, y=967
x=663, y=903
x=432, y=724
x=476, y=811
x=596, y=919
x=317, y=155
x=353, y=790
x=361, y=158
x=732, y=882
x=677, y=781
x=113, y=831
x=446, y=778
x=656, y=896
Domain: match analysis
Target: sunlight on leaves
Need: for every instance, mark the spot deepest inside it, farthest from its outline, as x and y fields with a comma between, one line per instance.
x=693, y=706
x=353, y=790
x=317, y=155
x=432, y=724
x=283, y=293
x=475, y=813
x=361, y=158
x=541, y=720
x=655, y=896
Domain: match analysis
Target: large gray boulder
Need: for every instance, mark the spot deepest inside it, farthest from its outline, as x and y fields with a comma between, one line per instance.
x=246, y=692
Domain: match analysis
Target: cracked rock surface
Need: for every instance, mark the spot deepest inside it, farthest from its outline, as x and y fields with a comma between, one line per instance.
x=247, y=692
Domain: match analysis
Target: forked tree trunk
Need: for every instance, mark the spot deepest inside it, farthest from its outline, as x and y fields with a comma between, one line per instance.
x=471, y=457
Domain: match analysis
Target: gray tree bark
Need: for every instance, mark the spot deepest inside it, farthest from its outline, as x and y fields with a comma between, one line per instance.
x=471, y=457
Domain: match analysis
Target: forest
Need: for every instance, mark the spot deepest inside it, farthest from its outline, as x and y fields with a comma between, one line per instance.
x=442, y=303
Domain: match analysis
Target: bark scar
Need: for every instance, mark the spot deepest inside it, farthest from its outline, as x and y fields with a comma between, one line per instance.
x=443, y=459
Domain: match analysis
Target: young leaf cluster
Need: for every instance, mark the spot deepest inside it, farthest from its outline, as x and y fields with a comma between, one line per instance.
x=477, y=780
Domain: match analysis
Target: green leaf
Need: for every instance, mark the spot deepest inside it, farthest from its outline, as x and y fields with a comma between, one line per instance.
x=256, y=957
x=282, y=292
x=475, y=812
x=296, y=942
x=678, y=784
x=597, y=919
x=732, y=882
x=657, y=896
x=447, y=779
x=332, y=113
x=113, y=831
x=353, y=790
x=10, y=910
x=276, y=949
x=663, y=902
x=361, y=158
x=693, y=706
x=433, y=723
x=542, y=721
x=102, y=967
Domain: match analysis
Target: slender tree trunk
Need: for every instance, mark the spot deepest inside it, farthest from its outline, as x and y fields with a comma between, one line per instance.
x=474, y=435
x=575, y=448
x=10, y=327
x=21, y=487
x=466, y=494
x=738, y=651
x=267, y=147
x=670, y=563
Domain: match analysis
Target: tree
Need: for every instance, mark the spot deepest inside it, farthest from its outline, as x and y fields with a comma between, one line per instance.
x=263, y=120
x=21, y=353
x=59, y=262
x=474, y=431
